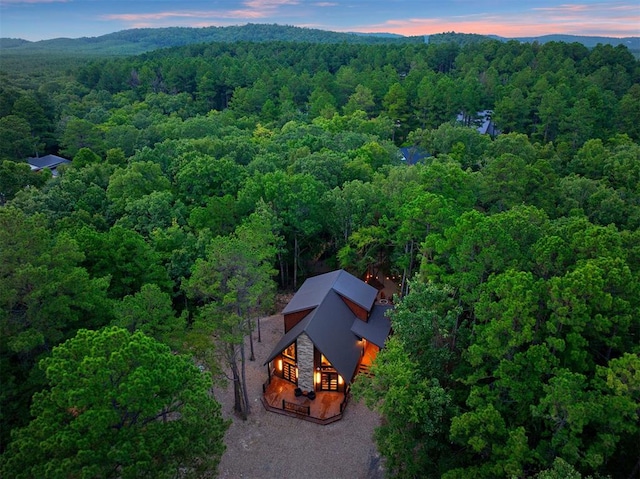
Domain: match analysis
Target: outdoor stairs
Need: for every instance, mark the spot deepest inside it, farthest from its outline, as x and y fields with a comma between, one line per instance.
x=364, y=369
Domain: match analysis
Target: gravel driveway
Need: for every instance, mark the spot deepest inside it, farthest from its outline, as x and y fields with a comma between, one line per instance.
x=270, y=445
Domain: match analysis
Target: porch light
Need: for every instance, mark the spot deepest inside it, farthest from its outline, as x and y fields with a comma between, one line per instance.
x=317, y=378
x=279, y=364
x=340, y=380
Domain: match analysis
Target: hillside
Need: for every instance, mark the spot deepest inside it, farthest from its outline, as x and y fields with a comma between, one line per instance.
x=141, y=40
x=632, y=43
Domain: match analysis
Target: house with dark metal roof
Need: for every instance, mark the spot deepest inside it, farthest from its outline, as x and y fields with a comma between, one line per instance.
x=413, y=154
x=334, y=327
x=482, y=122
x=51, y=162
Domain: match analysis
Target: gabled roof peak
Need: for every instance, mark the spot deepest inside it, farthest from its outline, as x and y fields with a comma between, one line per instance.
x=315, y=289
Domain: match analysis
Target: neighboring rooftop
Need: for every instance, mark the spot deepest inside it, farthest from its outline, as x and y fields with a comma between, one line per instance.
x=49, y=161
x=413, y=154
x=482, y=123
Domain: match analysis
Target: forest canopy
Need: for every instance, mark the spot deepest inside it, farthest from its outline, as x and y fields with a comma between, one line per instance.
x=206, y=177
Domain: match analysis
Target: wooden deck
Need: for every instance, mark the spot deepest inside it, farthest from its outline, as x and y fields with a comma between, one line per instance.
x=324, y=409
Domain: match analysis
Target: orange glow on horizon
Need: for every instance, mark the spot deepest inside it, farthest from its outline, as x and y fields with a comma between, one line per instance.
x=504, y=30
x=611, y=20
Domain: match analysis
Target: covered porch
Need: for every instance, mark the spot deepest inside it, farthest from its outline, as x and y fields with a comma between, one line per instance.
x=279, y=397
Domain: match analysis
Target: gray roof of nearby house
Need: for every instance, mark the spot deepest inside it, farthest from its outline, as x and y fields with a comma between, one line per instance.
x=413, y=154
x=332, y=326
x=483, y=123
x=48, y=161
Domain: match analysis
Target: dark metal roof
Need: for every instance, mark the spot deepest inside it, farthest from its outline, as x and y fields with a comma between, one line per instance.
x=378, y=327
x=355, y=290
x=330, y=331
x=289, y=338
x=331, y=325
x=315, y=289
x=48, y=161
x=413, y=155
x=311, y=293
x=329, y=328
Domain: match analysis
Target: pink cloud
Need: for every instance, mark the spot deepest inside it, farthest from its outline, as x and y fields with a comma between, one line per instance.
x=255, y=10
x=616, y=20
x=269, y=4
x=564, y=8
x=137, y=18
x=15, y=2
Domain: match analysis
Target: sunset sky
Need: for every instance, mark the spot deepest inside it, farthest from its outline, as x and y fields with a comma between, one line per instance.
x=44, y=19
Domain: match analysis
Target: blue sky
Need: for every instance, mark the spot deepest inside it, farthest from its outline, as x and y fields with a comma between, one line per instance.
x=44, y=19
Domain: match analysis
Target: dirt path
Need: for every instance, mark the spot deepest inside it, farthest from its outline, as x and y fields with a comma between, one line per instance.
x=269, y=445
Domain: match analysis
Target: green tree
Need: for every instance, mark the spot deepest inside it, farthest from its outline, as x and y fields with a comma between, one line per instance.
x=410, y=384
x=466, y=254
x=118, y=405
x=45, y=297
x=463, y=144
x=219, y=215
x=232, y=284
x=127, y=137
x=115, y=156
x=396, y=105
x=628, y=117
x=297, y=201
x=361, y=99
x=153, y=211
x=31, y=107
x=135, y=181
x=328, y=167
x=416, y=409
x=203, y=176
x=16, y=176
x=85, y=157
x=504, y=182
x=321, y=103
x=149, y=311
x=79, y=133
x=512, y=112
x=351, y=208
x=16, y=143
x=123, y=257
x=551, y=109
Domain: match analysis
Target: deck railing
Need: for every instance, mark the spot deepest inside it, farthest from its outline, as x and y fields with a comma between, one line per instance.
x=296, y=408
x=265, y=385
x=344, y=402
x=306, y=412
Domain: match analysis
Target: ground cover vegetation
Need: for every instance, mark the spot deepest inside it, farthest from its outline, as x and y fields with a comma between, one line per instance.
x=207, y=176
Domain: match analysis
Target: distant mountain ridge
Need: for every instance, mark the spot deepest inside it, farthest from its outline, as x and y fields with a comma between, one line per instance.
x=633, y=43
x=141, y=40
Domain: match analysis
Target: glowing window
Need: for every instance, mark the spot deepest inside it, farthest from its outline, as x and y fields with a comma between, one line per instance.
x=290, y=352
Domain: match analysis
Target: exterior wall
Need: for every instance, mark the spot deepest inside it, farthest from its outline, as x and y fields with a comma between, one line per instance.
x=359, y=311
x=305, y=362
x=291, y=319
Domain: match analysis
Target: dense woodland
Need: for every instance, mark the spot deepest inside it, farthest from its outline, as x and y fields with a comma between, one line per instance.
x=207, y=177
